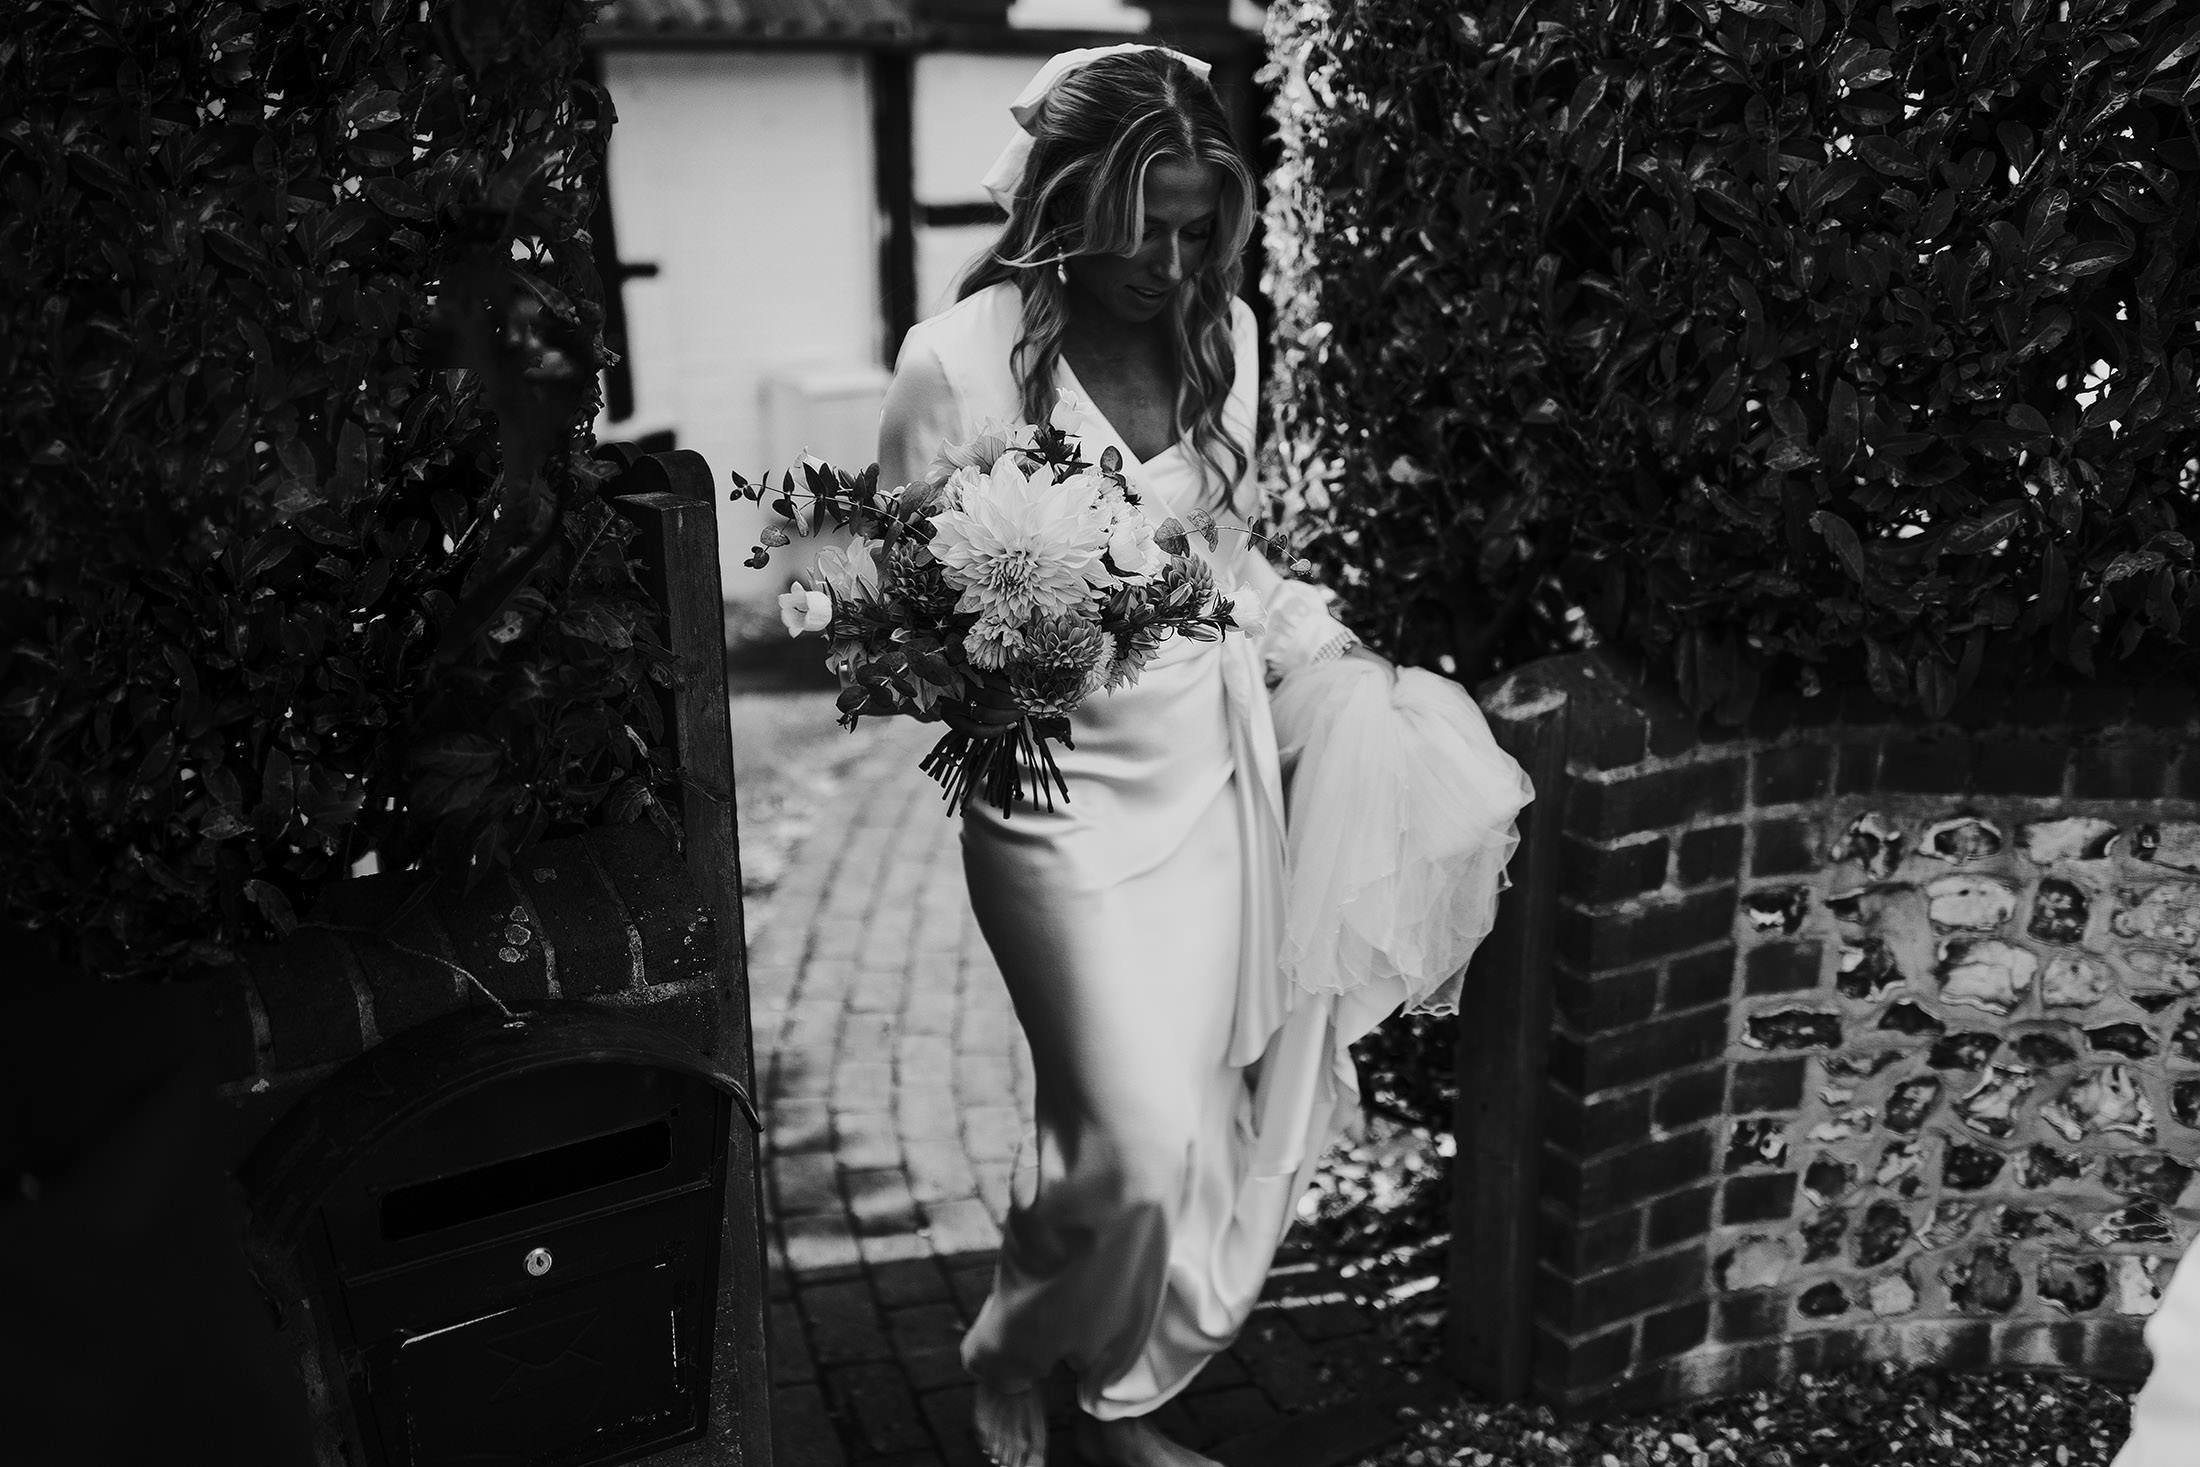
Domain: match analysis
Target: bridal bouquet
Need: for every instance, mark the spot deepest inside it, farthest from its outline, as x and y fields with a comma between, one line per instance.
x=1012, y=583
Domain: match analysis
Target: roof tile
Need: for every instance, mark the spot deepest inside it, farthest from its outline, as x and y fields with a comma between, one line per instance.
x=773, y=19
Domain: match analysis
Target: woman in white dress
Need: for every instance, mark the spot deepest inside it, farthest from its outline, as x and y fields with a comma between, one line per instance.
x=1136, y=924
x=2165, y=1417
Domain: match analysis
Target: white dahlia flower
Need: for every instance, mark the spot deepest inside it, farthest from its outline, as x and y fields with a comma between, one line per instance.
x=1018, y=546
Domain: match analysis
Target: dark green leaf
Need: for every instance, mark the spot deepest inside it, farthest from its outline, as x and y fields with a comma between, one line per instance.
x=1937, y=686
x=1841, y=537
x=1888, y=155
x=2131, y=563
x=1983, y=532
x=273, y=905
x=2091, y=259
x=1887, y=672
x=2184, y=46
x=1937, y=215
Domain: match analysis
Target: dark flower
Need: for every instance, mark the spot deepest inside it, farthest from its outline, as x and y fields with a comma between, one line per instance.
x=1133, y=650
x=1185, y=585
x=915, y=579
x=1062, y=660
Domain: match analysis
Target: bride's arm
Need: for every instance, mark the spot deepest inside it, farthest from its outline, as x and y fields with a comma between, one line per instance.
x=1299, y=630
x=920, y=414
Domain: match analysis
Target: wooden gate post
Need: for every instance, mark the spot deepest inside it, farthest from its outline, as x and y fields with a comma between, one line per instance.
x=1498, y=1124
x=672, y=501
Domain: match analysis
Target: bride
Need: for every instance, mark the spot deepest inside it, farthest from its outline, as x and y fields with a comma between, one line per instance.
x=2165, y=1416
x=1185, y=1087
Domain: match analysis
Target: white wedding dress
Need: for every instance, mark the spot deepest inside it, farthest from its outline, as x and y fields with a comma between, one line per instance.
x=1186, y=1086
x=2165, y=1416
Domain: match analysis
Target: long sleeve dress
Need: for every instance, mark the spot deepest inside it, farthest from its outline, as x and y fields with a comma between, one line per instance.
x=1184, y=1091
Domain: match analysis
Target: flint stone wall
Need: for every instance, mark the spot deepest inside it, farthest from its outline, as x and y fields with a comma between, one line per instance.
x=1868, y=1038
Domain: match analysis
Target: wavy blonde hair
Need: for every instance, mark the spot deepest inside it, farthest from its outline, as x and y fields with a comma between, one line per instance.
x=1083, y=192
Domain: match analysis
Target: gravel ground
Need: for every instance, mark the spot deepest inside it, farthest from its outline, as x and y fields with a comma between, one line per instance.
x=1874, y=1417
x=1882, y=1416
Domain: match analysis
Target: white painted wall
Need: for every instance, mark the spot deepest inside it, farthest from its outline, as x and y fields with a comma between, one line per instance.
x=962, y=122
x=941, y=256
x=961, y=102
x=747, y=179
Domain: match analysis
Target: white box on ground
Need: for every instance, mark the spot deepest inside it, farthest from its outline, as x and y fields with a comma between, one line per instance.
x=829, y=409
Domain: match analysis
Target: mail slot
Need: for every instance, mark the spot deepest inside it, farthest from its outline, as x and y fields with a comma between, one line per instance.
x=518, y=1264
x=523, y=1181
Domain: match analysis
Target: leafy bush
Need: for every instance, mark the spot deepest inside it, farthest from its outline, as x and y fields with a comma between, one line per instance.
x=297, y=324
x=1804, y=340
x=1759, y=338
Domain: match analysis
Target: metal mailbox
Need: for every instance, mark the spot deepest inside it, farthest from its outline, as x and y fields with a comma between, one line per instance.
x=514, y=1237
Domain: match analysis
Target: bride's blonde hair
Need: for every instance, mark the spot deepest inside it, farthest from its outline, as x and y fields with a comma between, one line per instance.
x=1083, y=192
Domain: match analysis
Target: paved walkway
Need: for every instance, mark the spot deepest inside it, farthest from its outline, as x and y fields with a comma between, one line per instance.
x=898, y=1087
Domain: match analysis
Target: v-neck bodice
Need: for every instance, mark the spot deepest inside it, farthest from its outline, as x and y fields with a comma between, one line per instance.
x=965, y=355
x=1066, y=379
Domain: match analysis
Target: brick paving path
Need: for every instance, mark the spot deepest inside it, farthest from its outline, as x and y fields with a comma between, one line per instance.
x=897, y=1088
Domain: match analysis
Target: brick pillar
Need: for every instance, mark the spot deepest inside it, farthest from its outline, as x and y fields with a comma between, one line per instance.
x=1640, y=977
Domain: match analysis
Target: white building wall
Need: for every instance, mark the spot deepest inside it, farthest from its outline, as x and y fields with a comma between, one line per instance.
x=747, y=179
x=962, y=122
x=942, y=255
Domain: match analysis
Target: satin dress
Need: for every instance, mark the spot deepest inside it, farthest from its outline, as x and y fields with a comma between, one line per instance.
x=1184, y=1094
x=2165, y=1416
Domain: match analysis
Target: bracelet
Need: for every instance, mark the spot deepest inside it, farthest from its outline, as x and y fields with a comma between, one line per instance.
x=1333, y=649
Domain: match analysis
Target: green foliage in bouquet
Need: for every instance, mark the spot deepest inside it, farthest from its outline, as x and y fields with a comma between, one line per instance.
x=1789, y=342
x=298, y=342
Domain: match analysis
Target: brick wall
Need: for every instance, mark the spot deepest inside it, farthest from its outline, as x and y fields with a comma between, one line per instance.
x=1867, y=1038
x=610, y=916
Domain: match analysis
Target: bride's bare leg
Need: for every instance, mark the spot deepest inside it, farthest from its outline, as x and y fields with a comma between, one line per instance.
x=1011, y=1426
x=1133, y=1442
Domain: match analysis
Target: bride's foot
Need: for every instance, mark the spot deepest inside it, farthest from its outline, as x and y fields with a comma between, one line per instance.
x=1011, y=1428
x=1134, y=1442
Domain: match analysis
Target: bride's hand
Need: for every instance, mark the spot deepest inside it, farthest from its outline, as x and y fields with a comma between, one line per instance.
x=979, y=720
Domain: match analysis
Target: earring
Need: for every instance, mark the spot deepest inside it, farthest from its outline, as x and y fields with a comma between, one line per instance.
x=1061, y=273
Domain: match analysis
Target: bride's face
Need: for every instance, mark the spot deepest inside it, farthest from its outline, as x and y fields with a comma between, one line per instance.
x=1182, y=200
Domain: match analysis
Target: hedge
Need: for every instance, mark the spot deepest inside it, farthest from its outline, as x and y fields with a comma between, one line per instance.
x=1782, y=342
x=298, y=345
x=1748, y=337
